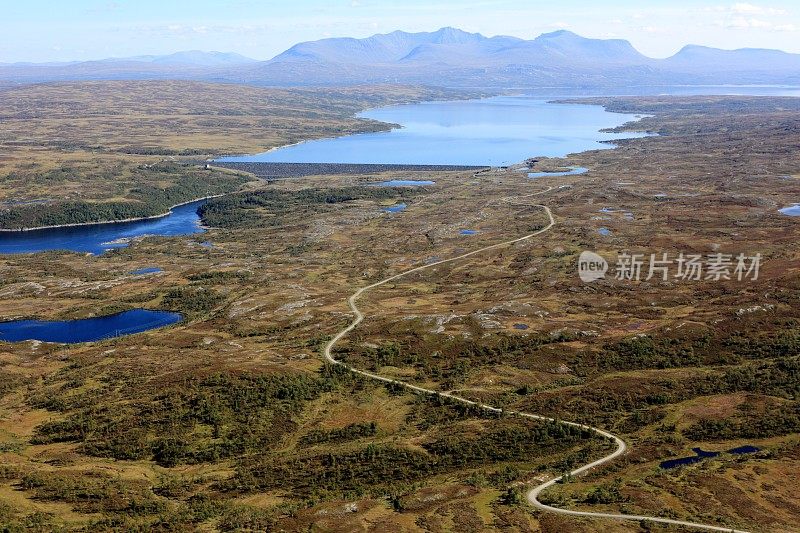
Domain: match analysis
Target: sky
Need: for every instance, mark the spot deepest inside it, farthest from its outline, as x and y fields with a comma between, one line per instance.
x=48, y=30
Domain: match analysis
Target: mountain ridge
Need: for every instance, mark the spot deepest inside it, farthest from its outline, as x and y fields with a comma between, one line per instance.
x=448, y=57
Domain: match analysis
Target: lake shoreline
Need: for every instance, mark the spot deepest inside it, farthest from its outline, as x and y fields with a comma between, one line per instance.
x=415, y=143
x=104, y=222
x=385, y=127
x=267, y=170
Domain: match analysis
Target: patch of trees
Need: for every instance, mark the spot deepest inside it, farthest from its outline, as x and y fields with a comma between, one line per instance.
x=448, y=360
x=381, y=465
x=433, y=410
x=778, y=377
x=128, y=505
x=508, y=442
x=779, y=344
x=341, y=471
x=645, y=351
x=93, y=492
x=606, y=493
x=154, y=150
x=782, y=420
x=219, y=276
x=192, y=300
x=269, y=208
x=10, y=381
x=604, y=404
x=351, y=432
x=188, y=183
x=648, y=352
x=205, y=420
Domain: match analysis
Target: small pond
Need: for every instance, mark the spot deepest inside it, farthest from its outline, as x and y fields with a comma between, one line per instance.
x=403, y=183
x=792, y=211
x=573, y=172
x=396, y=208
x=146, y=270
x=701, y=454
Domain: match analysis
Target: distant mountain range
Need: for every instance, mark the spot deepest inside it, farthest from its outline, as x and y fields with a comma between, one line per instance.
x=194, y=58
x=190, y=64
x=447, y=57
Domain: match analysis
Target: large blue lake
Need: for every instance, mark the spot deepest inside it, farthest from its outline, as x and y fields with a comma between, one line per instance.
x=97, y=238
x=493, y=131
x=87, y=329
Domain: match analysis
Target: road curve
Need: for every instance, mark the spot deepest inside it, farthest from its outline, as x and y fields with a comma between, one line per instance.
x=533, y=494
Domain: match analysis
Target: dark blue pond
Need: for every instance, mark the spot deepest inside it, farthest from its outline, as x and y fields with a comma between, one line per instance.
x=468, y=232
x=701, y=454
x=87, y=329
x=744, y=449
x=97, y=238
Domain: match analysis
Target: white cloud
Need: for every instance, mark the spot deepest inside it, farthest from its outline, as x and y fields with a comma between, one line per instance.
x=744, y=23
x=743, y=8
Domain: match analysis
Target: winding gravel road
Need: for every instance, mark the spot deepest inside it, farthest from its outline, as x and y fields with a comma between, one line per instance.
x=533, y=494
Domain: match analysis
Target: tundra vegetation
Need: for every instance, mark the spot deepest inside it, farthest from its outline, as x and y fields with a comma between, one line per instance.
x=230, y=420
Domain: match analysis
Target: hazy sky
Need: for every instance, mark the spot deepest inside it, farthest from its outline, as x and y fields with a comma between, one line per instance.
x=49, y=30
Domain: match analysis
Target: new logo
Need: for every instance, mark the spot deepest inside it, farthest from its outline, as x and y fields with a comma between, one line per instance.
x=591, y=267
